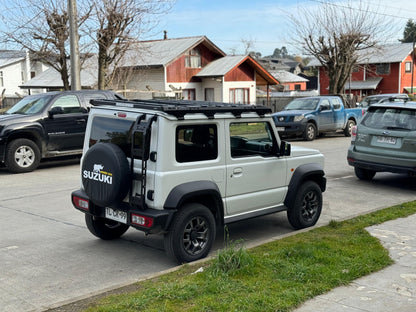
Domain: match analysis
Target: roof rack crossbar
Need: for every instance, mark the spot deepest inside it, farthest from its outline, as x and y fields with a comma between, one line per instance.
x=179, y=108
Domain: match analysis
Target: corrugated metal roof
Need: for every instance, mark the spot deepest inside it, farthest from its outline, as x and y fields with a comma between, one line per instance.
x=8, y=57
x=284, y=76
x=393, y=53
x=161, y=52
x=369, y=84
x=51, y=78
x=221, y=66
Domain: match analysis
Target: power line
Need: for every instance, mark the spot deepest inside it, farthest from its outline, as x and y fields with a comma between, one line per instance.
x=362, y=10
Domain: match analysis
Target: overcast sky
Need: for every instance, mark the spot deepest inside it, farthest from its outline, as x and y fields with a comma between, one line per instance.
x=265, y=22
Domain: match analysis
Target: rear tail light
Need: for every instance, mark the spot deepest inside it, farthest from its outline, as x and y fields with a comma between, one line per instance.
x=353, y=133
x=141, y=220
x=81, y=203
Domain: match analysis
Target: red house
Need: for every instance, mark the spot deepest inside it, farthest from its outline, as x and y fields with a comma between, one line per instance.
x=385, y=69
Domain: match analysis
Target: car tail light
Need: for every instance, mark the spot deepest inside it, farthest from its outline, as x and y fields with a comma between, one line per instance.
x=141, y=220
x=353, y=133
x=81, y=203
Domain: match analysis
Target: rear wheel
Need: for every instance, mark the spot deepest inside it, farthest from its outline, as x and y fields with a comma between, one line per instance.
x=310, y=132
x=191, y=234
x=104, y=228
x=22, y=155
x=348, y=127
x=307, y=206
x=364, y=174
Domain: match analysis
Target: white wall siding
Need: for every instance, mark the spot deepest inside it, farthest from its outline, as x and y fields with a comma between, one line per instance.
x=152, y=77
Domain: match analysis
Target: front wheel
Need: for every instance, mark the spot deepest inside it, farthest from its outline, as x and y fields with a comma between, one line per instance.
x=310, y=132
x=307, y=206
x=104, y=228
x=191, y=234
x=348, y=127
x=22, y=155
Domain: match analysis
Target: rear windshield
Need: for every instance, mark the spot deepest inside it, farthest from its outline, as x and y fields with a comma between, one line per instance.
x=390, y=118
x=110, y=130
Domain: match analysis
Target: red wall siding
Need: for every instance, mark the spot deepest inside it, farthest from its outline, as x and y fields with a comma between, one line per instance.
x=242, y=73
x=389, y=83
x=291, y=86
x=407, y=77
x=176, y=71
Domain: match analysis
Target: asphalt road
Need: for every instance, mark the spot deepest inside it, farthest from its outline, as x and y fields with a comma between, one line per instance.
x=48, y=257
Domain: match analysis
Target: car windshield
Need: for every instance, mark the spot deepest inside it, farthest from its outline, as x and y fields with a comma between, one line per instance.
x=391, y=119
x=29, y=105
x=302, y=104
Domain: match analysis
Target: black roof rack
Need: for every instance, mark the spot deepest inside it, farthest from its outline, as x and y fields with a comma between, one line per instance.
x=179, y=108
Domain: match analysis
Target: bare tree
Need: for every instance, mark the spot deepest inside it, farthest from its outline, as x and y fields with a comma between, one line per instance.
x=41, y=27
x=335, y=34
x=115, y=25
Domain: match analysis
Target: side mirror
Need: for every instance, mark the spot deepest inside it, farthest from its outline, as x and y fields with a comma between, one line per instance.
x=284, y=149
x=55, y=111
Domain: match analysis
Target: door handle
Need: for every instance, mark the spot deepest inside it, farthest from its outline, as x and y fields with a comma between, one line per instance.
x=237, y=172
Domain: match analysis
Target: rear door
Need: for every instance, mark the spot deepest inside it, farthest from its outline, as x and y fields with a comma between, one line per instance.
x=255, y=175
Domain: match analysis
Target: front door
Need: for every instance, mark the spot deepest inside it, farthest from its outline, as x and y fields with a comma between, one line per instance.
x=255, y=175
x=66, y=129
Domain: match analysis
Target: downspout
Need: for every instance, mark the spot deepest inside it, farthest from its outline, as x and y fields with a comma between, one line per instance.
x=27, y=68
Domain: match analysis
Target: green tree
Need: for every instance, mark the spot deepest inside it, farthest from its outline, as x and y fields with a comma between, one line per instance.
x=409, y=33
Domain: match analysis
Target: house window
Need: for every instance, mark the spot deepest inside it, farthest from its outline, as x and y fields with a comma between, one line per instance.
x=239, y=95
x=383, y=69
x=408, y=67
x=193, y=59
x=297, y=87
x=188, y=94
x=1, y=79
x=209, y=94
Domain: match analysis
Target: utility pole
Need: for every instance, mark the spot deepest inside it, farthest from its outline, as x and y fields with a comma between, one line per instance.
x=73, y=41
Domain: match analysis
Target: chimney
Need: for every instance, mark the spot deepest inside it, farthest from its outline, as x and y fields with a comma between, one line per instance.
x=165, y=36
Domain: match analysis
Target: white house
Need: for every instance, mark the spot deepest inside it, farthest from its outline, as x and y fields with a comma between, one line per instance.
x=16, y=68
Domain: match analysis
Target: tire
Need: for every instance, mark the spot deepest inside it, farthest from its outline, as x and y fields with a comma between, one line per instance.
x=310, y=132
x=106, y=174
x=104, y=228
x=364, y=174
x=348, y=127
x=307, y=206
x=22, y=155
x=191, y=233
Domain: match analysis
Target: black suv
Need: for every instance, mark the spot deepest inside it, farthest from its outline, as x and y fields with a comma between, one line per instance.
x=45, y=125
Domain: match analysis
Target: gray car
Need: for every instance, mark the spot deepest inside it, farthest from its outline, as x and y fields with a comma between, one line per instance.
x=381, y=98
x=385, y=140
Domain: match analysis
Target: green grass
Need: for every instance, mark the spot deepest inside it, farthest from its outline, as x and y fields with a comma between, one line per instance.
x=277, y=276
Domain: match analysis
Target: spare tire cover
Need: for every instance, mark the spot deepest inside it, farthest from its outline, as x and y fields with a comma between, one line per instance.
x=105, y=174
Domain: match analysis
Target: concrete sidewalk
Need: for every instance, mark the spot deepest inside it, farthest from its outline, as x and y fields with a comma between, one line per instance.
x=392, y=289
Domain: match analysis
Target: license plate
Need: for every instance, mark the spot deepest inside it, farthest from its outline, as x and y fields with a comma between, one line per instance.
x=388, y=140
x=280, y=128
x=116, y=215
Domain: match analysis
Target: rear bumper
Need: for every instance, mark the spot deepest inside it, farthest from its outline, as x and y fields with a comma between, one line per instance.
x=380, y=164
x=161, y=218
